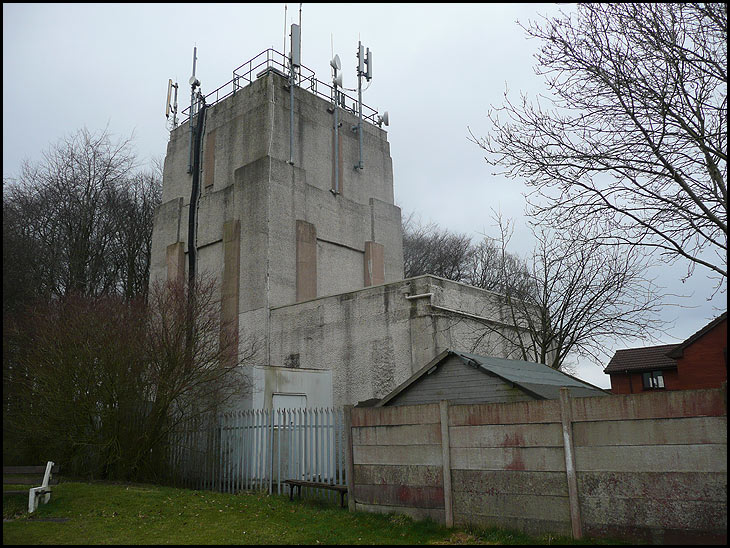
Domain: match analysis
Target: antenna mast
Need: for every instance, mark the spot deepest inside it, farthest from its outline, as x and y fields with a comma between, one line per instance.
x=294, y=61
x=336, y=81
x=194, y=83
x=363, y=60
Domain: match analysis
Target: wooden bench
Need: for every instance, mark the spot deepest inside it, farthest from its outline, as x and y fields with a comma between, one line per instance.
x=342, y=489
x=31, y=475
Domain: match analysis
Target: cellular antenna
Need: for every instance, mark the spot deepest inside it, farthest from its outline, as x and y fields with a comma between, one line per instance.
x=171, y=106
x=194, y=83
x=363, y=59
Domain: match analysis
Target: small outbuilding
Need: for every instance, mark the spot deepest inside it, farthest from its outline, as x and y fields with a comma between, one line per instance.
x=463, y=378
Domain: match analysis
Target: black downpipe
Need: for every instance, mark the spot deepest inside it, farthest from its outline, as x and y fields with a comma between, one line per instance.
x=195, y=193
x=192, y=221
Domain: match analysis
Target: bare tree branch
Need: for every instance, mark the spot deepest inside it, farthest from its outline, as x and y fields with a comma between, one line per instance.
x=635, y=140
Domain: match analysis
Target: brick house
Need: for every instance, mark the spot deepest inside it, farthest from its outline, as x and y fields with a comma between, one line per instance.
x=698, y=362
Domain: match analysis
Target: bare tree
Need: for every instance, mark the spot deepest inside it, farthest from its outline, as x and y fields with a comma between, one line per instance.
x=493, y=268
x=429, y=249
x=132, y=208
x=80, y=220
x=101, y=383
x=635, y=144
x=578, y=297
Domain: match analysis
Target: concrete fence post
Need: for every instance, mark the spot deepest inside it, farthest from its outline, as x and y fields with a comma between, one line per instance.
x=350, y=462
x=446, y=463
x=566, y=418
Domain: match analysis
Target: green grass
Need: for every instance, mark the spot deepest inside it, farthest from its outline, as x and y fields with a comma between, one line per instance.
x=102, y=513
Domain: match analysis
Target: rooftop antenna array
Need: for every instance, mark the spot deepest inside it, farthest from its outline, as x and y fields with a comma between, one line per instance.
x=171, y=106
x=363, y=60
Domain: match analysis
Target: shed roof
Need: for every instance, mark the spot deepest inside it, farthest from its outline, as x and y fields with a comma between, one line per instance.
x=538, y=379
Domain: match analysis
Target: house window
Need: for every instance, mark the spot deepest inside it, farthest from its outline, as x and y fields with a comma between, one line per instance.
x=653, y=379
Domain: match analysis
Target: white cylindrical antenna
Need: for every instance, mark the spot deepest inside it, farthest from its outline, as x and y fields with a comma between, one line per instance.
x=194, y=82
x=360, y=58
x=174, y=108
x=369, y=63
x=169, y=98
x=296, y=46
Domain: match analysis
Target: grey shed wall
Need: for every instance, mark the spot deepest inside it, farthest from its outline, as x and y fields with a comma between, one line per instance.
x=459, y=383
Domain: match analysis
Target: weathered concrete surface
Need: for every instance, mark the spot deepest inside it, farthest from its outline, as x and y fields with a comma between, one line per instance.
x=509, y=482
x=230, y=283
x=639, y=475
x=400, y=495
x=416, y=434
x=635, y=458
x=669, y=404
x=176, y=263
x=332, y=294
x=391, y=416
x=306, y=261
x=693, y=430
x=397, y=454
x=375, y=338
x=543, y=459
x=436, y=514
x=495, y=435
x=414, y=475
x=532, y=412
x=250, y=131
x=374, y=266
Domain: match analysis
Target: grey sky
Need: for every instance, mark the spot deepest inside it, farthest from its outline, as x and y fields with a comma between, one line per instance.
x=437, y=69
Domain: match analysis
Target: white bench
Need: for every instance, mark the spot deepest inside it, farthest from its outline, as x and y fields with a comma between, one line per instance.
x=20, y=475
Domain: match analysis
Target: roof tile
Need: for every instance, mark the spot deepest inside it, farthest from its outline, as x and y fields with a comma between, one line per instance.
x=641, y=359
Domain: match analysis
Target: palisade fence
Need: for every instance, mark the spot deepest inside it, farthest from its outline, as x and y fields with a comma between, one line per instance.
x=258, y=449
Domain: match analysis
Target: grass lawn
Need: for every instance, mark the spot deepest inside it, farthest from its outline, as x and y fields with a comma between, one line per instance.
x=102, y=513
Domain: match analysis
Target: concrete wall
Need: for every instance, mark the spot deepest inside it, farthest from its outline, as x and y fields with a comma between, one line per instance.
x=247, y=181
x=376, y=338
x=649, y=467
x=247, y=177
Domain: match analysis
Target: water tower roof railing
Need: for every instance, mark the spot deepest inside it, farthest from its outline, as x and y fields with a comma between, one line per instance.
x=304, y=78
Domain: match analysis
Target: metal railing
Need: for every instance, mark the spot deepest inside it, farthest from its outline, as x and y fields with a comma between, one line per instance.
x=257, y=450
x=304, y=78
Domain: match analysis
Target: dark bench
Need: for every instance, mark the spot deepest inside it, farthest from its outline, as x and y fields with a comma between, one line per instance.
x=342, y=489
x=42, y=476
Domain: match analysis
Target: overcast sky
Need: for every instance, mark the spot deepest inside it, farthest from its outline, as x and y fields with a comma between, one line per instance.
x=437, y=68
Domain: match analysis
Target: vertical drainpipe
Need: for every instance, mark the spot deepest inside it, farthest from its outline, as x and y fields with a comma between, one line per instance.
x=291, y=115
x=359, y=102
x=195, y=193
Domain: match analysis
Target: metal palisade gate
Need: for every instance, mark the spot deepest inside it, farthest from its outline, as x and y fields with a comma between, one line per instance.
x=257, y=450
